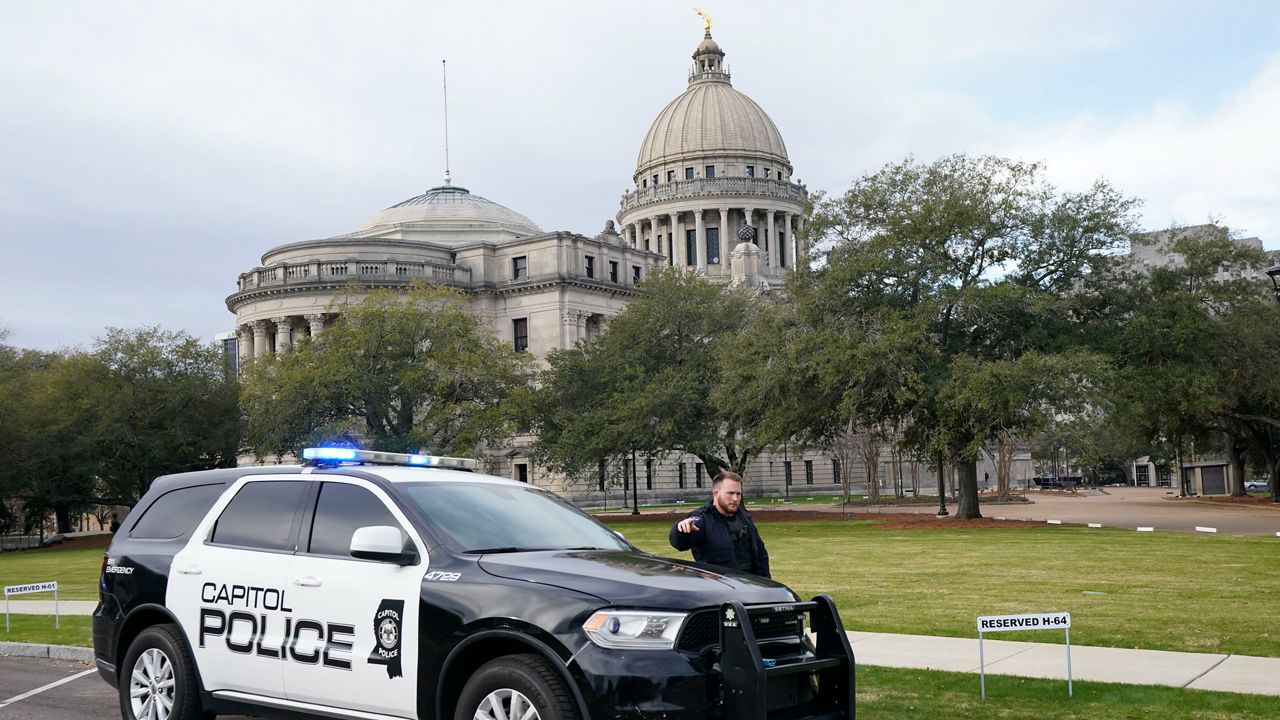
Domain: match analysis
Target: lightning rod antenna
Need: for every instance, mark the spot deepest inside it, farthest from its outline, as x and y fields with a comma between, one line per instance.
x=444, y=75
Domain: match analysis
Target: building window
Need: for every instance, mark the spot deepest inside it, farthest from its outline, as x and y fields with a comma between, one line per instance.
x=808, y=472
x=655, y=181
x=751, y=171
x=613, y=271
x=590, y=266
x=835, y=471
x=688, y=173
x=691, y=247
x=680, y=474
x=671, y=250
x=635, y=274
x=710, y=171
x=697, y=474
x=522, y=472
x=644, y=183
x=1143, y=476
x=767, y=171
x=782, y=249
x=648, y=474
x=713, y=246
x=786, y=472
x=671, y=176
x=520, y=331
x=519, y=267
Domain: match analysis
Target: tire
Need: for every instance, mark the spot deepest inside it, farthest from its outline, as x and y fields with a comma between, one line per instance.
x=158, y=679
x=525, y=681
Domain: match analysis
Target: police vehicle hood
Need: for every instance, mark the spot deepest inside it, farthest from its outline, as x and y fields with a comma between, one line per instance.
x=629, y=578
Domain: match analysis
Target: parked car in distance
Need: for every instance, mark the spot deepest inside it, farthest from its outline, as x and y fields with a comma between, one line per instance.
x=1256, y=486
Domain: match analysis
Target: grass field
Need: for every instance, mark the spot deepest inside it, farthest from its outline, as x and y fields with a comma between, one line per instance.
x=75, y=630
x=75, y=569
x=893, y=693
x=1164, y=591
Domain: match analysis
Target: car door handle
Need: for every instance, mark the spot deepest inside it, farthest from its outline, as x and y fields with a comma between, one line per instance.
x=190, y=570
x=308, y=581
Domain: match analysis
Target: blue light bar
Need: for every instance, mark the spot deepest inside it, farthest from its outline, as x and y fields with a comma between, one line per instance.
x=329, y=453
x=334, y=456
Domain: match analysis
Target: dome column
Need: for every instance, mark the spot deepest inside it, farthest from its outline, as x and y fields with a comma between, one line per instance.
x=700, y=240
x=724, y=234
x=244, y=344
x=284, y=333
x=677, y=255
x=771, y=236
x=315, y=323
x=791, y=236
x=260, y=346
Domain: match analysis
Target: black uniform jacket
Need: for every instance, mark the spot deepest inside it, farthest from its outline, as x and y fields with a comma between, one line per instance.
x=713, y=545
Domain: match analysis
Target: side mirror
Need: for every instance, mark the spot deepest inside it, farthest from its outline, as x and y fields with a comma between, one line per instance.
x=382, y=543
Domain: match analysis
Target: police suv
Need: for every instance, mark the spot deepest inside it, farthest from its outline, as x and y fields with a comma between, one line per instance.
x=375, y=585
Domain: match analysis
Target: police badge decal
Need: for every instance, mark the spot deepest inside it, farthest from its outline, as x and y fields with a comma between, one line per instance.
x=388, y=628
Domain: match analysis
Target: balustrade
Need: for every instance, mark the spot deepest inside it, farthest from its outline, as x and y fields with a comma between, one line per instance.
x=712, y=187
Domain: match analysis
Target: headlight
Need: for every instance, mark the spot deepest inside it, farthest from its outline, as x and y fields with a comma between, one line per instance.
x=634, y=629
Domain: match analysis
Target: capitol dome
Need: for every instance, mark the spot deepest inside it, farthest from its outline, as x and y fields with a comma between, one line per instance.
x=711, y=119
x=447, y=205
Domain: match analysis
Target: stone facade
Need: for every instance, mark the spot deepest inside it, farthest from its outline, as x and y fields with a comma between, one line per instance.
x=713, y=194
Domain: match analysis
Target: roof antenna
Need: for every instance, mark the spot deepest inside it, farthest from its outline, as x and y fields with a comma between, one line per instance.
x=444, y=74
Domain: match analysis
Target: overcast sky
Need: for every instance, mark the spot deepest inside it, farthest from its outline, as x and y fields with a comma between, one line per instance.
x=152, y=151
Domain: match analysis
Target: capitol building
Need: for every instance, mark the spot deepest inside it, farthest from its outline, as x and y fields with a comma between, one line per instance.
x=713, y=192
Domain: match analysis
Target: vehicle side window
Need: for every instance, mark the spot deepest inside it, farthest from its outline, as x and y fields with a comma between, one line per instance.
x=340, y=510
x=176, y=512
x=260, y=515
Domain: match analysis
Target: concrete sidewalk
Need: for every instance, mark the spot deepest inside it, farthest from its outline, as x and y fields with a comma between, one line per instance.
x=1198, y=671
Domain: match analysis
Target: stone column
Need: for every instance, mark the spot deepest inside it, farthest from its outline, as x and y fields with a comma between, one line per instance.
x=315, y=323
x=653, y=225
x=700, y=235
x=725, y=235
x=791, y=238
x=677, y=243
x=802, y=248
x=773, y=240
x=244, y=344
x=260, y=346
x=284, y=333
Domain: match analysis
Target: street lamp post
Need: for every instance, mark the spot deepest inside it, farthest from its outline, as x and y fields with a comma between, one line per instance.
x=1273, y=272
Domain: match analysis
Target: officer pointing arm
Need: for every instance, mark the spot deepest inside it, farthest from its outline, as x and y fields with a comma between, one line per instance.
x=721, y=532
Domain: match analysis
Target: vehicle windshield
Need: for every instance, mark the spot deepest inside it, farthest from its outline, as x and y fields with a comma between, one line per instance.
x=482, y=517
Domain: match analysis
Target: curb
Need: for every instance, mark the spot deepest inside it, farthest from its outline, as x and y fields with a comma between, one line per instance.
x=52, y=652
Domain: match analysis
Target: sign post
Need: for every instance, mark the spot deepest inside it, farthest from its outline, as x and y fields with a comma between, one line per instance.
x=51, y=586
x=1009, y=623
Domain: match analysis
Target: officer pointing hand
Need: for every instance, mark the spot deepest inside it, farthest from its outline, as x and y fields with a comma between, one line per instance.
x=687, y=525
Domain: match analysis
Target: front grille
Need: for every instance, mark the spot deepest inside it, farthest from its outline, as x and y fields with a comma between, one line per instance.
x=773, y=624
x=702, y=629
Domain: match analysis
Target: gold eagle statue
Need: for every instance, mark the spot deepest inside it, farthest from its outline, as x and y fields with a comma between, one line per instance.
x=706, y=19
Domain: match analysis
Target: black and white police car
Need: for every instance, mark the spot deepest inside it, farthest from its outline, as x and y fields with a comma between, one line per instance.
x=375, y=585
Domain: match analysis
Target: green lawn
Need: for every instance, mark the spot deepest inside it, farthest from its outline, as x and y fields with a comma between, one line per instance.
x=75, y=630
x=885, y=693
x=76, y=571
x=1165, y=591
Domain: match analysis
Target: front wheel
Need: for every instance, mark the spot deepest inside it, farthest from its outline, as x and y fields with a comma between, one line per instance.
x=158, y=681
x=519, y=687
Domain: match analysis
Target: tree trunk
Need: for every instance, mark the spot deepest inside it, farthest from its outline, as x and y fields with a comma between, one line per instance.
x=967, y=489
x=1235, y=455
x=62, y=513
x=1004, y=463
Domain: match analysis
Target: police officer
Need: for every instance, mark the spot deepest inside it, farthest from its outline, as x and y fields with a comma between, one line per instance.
x=721, y=532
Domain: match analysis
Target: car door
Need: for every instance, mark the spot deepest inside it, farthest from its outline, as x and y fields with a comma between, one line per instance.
x=228, y=588
x=359, y=650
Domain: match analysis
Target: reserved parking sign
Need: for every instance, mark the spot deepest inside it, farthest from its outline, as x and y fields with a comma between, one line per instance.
x=1009, y=623
x=50, y=586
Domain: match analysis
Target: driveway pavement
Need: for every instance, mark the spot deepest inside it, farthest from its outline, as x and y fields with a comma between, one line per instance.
x=1132, y=507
